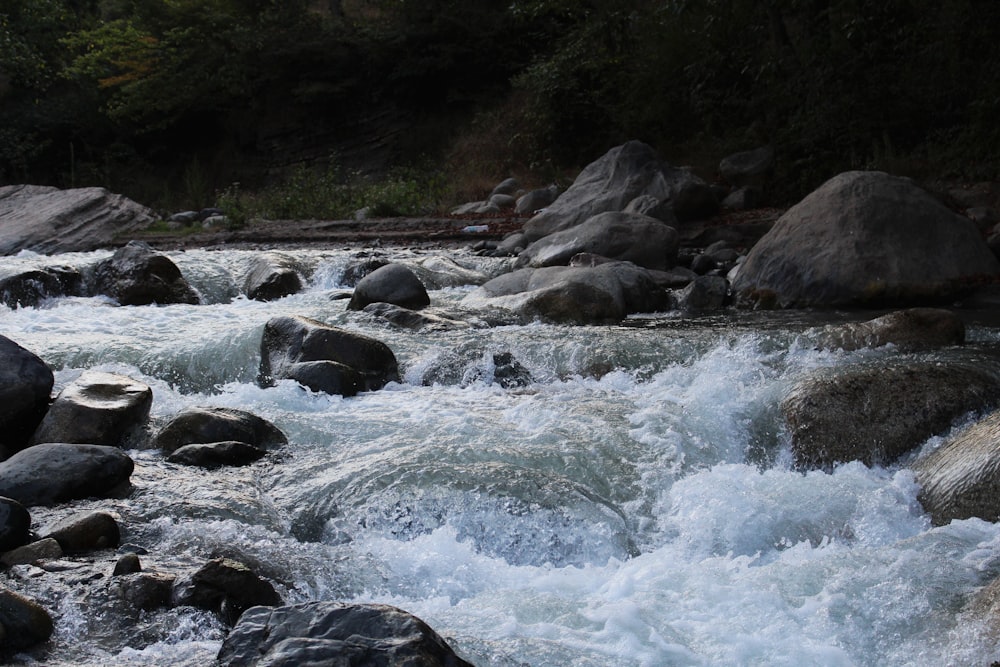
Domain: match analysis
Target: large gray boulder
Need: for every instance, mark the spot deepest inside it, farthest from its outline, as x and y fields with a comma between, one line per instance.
x=865, y=238
x=961, y=478
x=392, y=283
x=97, y=408
x=875, y=413
x=324, y=358
x=24, y=621
x=629, y=237
x=609, y=184
x=25, y=389
x=58, y=472
x=137, y=275
x=272, y=276
x=909, y=330
x=197, y=425
x=48, y=220
x=334, y=633
x=599, y=294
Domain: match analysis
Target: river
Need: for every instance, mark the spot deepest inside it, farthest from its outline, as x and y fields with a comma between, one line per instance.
x=633, y=503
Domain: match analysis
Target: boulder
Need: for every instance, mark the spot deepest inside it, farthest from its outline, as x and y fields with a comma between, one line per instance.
x=748, y=168
x=629, y=237
x=58, y=472
x=865, y=239
x=909, y=330
x=272, y=276
x=508, y=187
x=48, y=220
x=392, y=283
x=25, y=388
x=875, y=413
x=534, y=200
x=144, y=590
x=405, y=318
x=652, y=207
x=703, y=293
x=137, y=275
x=199, y=425
x=609, y=184
x=961, y=478
x=358, y=269
x=127, y=563
x=217, y=454
x=86, y=532
x=226, y=587
x=44, y=549
x=573, y=294
x=15, y=524
x=26, y=289
x=334, y=633
x=324, y=358
x=742, y=199
x=471, y=365
x=23, y=622
x=438, y=272
x=694, y=200
x=97, y=408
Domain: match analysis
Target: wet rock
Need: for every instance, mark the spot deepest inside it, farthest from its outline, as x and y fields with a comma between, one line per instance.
x=25, y=388
x=48, y=220
x=217, y=454
x=15, y=524
x=44, y=549
x=468, y=366
x=865, y=239
x=86, y=532
x=226, y=587
x=358, y=269
x=127, y=563
x=393, y=283
x=414, y=320
x=335, y=633
x=199, y=425
x=272, y=276
x=909, y=330
x=324, y=358
x=961, y=478
x=26, y=289
x=23, y=622
x=58, y=472
x=137, y=275
x=437, y=272
x=876, y=413
x=609, y=184
x=97, y=408
x=144, y=590
x=748, y=168
x=630, y=237
x=703, y=293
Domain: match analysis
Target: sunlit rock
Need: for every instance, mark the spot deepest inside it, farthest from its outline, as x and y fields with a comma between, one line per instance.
x=137, y=275
x=199, y=425
x=53, y=473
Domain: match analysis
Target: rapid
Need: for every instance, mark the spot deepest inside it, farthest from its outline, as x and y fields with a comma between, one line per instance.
x=633, y=503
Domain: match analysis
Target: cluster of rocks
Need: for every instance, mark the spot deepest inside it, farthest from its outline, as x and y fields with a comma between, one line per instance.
x=206, y=218
x=509, y=196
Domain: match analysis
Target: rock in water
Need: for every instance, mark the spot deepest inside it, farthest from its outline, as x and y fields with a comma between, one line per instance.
x=48, y=220
x=272, y=276
x=86, y=532
x=25, y=388
x=58, y=472
x=908, y=330
x=137, y=275
x=332, y=633
x=225, y=586
x=865, y=238
x=392, y=283
x=97, y=408
x=324, y=358
x=15, y=524
x=23, y=622
x=217, y=454
x=204, y=425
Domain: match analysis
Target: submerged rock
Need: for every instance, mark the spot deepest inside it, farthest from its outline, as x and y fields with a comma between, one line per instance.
x=58, y=472
x=25, y=388
x=137, y=275
x=876, y=413
x=23, y=622
x=333, y=633
x=28, y=288
x=97, y=408
x=912, y=329
x=217, y=454
x=15, y=524
x=324, y=358
x=226, y=587
x=392, y=283
x=199, y=425
x=865, y=239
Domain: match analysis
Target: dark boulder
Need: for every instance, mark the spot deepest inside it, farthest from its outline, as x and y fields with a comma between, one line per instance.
x=908, y=330
x=629, y=237
x=405, y=318
x=86, y=532
x=26, y=289
x=334, y=633
x=144, y=590
x=204, y=425
x=703, y=293
x=217, y=454
x=865, y=239
x=97, y=408
x=272, y=276
x=226, y=587
x=359, y=268
x=32, y=552
x=58, y=472
x=694, y=200
x=137, y=275
x=748, y=168
x=324, y=358
x=392, y=283
x=15, y=524
x=961, y=478
x=25, y=389
x=23, y=622
x=875, y=413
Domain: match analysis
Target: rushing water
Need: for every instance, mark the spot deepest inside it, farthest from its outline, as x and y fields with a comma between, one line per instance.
x=632, y=505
